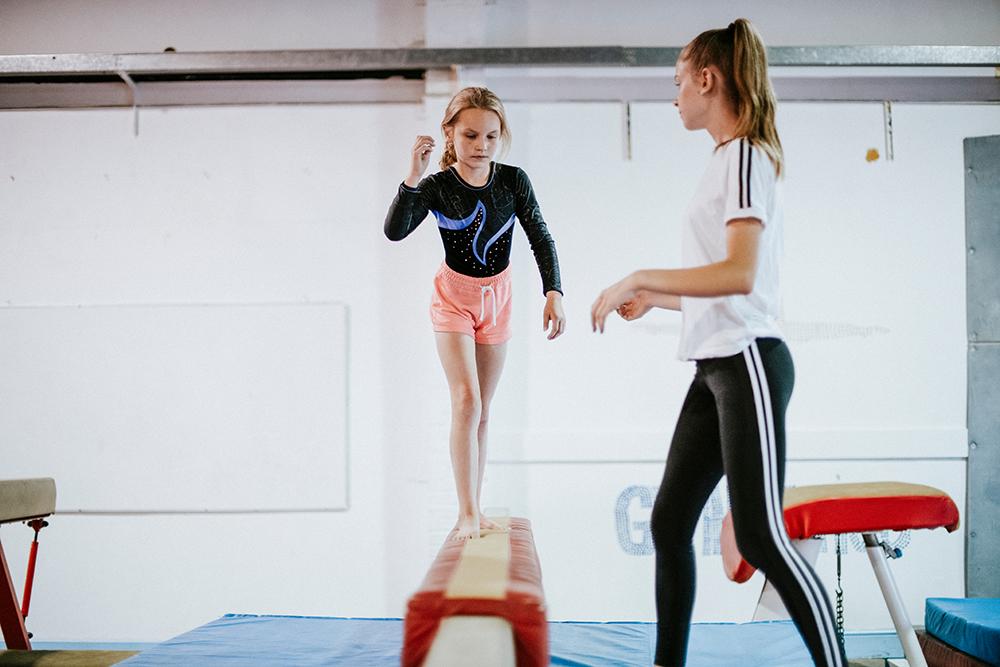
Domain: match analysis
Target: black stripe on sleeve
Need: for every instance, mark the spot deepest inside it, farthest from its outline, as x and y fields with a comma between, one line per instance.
x=741, y=173
x=749, y=163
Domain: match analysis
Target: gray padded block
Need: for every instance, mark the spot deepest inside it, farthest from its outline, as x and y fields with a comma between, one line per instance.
x=982, y=225
x=26, y=498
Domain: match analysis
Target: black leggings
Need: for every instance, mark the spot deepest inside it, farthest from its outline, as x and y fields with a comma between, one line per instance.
x=733, y=422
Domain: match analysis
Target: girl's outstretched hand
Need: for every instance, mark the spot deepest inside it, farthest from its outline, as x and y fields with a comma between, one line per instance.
x=420, y=157
x=610, y=299
x=635, y=307
x=553, y=318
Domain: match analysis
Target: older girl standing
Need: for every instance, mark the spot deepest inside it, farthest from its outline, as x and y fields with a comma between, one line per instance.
x=733, y=419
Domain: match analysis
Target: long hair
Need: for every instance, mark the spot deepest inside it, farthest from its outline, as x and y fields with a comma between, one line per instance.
x=739, y=54
x=471, y=98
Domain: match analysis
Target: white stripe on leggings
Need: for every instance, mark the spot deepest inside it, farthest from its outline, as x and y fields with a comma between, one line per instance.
x=765, y=425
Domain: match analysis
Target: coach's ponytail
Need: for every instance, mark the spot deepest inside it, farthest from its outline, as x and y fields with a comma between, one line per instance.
x=739, y=54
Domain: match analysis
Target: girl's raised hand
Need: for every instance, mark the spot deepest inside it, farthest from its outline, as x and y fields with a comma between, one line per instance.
x=420, y=157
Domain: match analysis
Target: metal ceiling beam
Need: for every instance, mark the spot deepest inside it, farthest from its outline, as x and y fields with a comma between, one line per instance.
x=953, y=89
x=359, y=60
x=397, y=75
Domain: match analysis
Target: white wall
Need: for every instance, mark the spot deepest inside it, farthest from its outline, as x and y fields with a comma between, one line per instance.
x=287, y=207
x=206, y=206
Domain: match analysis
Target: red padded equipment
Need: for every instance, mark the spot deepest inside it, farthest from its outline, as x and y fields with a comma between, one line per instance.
x=522, y=602
x=835, y=509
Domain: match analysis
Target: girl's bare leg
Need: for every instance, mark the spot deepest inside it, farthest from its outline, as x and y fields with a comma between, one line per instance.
x=458, y=357
x=489, y=362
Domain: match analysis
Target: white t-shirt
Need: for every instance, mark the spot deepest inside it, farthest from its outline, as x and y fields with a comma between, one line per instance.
x=740, y=182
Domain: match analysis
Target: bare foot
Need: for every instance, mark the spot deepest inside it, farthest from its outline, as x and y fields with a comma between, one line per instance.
x=465, y=529
x=487, y=526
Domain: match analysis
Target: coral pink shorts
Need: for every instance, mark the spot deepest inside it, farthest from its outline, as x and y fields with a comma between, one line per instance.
x=478, y=307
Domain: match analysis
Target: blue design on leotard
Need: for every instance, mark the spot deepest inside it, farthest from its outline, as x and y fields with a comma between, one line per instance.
x=448, y=223
x=493, y=239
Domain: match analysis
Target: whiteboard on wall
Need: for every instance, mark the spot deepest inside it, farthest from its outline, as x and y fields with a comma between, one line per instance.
x=178, y=408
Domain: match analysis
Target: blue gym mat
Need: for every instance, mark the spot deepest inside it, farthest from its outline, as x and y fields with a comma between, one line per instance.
x=242, y=639
x=970, y=625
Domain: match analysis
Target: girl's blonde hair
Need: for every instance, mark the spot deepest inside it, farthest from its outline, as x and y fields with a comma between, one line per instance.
x=471, y=98
x=739, y=54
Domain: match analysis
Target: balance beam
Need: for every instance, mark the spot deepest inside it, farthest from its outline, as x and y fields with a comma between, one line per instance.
x=27, y=500
x=834, y=509
x=480, y=603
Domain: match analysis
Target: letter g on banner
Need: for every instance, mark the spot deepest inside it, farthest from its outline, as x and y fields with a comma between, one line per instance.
x=630, y=500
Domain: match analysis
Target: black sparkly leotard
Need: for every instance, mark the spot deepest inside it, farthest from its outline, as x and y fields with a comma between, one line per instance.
x=477, y=224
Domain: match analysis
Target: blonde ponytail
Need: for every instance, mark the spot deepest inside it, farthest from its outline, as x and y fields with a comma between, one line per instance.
x=448, y=157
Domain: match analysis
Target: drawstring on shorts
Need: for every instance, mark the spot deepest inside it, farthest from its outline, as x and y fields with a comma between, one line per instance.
x=482, y=303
